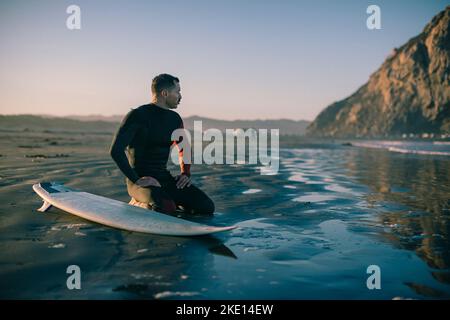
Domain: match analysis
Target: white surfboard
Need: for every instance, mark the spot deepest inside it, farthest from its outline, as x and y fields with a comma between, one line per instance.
x=118, y=214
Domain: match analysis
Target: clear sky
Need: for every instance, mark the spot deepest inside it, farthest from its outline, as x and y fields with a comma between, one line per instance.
x=243, y=59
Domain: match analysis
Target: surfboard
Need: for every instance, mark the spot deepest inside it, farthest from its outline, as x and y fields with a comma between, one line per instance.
x=118, y=214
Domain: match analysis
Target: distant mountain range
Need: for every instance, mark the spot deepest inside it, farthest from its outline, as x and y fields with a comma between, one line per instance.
x=99, y=123
x=408, y=94
x=286, y=126
x=48, y=123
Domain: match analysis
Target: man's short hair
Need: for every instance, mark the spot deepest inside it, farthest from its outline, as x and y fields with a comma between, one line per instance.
x=163, y=81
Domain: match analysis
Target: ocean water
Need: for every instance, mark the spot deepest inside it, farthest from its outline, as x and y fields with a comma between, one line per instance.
x=308, y=232
x=439, y=148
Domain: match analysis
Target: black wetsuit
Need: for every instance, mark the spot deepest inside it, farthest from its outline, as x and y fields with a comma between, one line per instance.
x=146, y=132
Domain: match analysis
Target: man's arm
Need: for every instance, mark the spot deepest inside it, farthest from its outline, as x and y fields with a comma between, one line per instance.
x=185, y=168
x=184, y=179
x=121, y=140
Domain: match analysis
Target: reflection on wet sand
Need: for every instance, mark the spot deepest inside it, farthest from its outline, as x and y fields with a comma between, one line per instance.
x=422, y=186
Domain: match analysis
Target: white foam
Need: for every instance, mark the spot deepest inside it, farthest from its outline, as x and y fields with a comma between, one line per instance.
x=57, y=246
x=403, y=147
x=251, y=191
x=166, y=294
x=424, y=152
x=73, y=225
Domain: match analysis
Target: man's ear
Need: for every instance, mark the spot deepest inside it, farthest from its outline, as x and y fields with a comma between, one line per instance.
x=164, y=93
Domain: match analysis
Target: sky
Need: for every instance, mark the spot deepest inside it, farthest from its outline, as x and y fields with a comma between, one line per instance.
x=243, y=59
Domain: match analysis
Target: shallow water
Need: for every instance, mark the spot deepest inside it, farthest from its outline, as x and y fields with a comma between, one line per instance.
x=309, y=232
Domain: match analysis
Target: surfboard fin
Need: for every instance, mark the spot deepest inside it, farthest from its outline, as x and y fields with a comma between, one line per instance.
x=45, y=206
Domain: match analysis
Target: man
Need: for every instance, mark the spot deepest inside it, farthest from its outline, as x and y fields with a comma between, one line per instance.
x=145, y=133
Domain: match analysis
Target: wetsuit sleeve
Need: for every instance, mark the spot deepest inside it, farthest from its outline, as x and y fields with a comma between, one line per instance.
x=122, y=139
x=185, y=168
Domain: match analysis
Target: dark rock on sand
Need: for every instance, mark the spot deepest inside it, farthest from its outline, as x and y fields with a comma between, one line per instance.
x=43, y=156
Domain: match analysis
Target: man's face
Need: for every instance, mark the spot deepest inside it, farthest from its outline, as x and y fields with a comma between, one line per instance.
x=173, y=96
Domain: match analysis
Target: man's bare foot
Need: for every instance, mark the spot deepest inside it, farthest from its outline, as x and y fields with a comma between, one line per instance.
x=136, y=203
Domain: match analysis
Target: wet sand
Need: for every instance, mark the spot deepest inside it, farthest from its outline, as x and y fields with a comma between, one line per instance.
x=309, y=232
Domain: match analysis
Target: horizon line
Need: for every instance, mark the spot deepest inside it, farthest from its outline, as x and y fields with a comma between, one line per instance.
x=118, y=115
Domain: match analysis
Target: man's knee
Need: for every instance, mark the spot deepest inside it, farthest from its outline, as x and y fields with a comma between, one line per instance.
x=165, y=206
x=153, y=196
x=140, y=194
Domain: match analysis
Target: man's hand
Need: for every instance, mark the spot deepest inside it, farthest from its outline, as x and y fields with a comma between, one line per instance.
x=147, y=182
x=183, y=181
